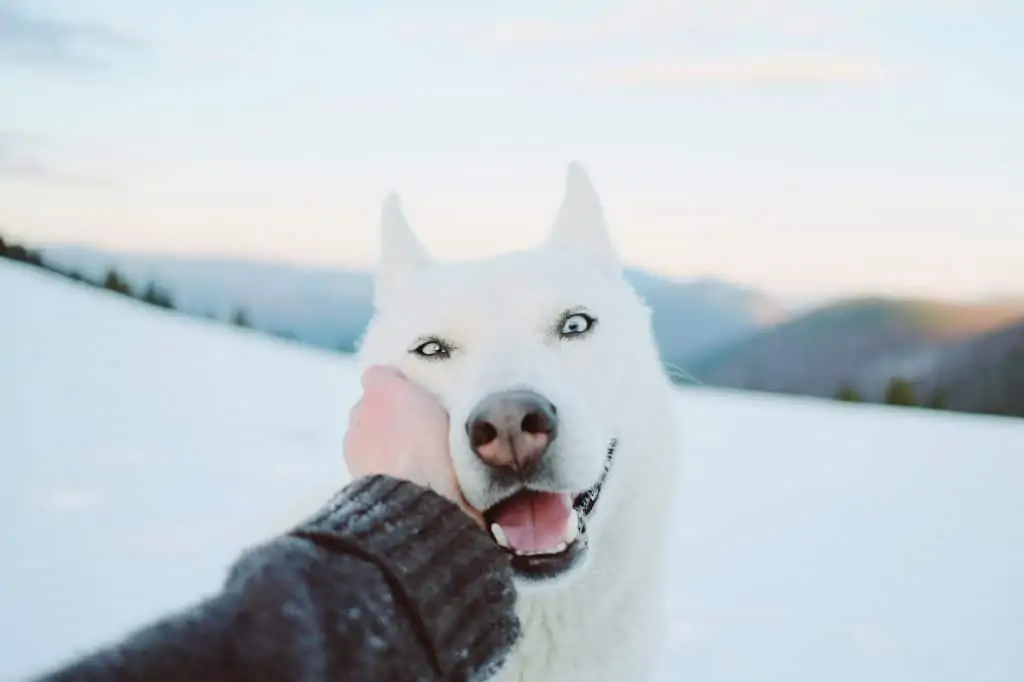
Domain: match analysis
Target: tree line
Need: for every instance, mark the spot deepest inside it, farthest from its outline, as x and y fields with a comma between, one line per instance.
x=112, y=280
x=898, y=391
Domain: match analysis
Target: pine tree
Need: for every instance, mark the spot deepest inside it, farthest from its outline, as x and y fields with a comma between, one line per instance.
x=151, y=295
x=114, y=282
x=900, y=392
x=849, y=394
x=938, y=400
x=21, y=254
x=156, y=296
x=240, y=319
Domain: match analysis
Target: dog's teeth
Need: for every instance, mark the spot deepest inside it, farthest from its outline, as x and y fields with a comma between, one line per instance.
x=499, y=535
x=572, y=528
x=557, y=549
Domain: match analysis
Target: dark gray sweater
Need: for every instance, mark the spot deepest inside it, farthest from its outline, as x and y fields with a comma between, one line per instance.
x=389, y=581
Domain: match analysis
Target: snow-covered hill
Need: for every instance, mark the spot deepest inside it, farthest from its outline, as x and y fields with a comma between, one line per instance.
x=141, y=450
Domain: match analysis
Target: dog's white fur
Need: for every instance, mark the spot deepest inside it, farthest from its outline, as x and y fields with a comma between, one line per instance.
x=603, y=621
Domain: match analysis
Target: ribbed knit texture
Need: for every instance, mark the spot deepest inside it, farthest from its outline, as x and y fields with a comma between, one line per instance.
x=388, y=582
x=459, y=578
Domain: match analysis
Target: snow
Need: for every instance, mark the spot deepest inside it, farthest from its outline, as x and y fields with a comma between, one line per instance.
x=142, y=450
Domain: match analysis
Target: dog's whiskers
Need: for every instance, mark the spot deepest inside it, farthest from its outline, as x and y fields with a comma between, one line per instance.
x=677, y=372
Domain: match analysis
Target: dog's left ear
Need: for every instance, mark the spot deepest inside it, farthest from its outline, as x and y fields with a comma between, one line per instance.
x=401, y=253
x=580, y=225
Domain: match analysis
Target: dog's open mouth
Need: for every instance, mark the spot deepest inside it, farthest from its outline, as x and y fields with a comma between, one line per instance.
x=546, y=532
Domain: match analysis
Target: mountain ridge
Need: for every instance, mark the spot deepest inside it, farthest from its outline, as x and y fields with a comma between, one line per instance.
x=330, y=306
x=861, y=343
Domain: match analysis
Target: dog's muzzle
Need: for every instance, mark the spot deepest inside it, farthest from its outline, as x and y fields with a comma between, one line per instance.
x=512, y=432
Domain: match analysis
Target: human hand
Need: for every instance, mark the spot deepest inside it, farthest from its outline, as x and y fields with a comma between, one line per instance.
x=399, y=429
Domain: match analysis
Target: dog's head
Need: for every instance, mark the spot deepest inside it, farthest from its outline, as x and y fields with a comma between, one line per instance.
x=540, y=358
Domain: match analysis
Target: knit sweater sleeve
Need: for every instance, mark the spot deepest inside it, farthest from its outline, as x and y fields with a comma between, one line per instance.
x=389, y=581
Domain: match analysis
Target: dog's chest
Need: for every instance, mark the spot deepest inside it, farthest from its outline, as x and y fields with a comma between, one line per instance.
x=611, y=665
x=556, y=647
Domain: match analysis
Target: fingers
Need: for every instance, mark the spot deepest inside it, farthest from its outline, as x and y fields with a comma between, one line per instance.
x=378, y=383
x=377, y=375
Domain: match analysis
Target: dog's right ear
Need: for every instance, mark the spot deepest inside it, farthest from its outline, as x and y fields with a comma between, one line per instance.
x=401, y=253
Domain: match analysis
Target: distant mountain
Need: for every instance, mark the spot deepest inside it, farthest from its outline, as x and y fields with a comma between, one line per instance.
x=330, y=307
x=327, y=308
x=983, y=374
x=691, y=317
x=860, y=343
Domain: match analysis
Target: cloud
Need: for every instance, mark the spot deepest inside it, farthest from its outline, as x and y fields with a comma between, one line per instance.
x=23, y=158
x=793, y=37
x=673, y=19
x=14, y=168
x=540, y=32
x=37, y=40
x=16, y=161
x=778, y=18
x=765, y=71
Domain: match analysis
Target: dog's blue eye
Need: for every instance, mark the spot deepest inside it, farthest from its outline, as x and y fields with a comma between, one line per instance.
x=432, y=349
x=576, y=324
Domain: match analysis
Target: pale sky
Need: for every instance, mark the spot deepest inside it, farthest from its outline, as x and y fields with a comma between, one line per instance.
x=803, y=147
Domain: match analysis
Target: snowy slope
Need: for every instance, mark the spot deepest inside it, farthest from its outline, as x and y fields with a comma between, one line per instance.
x=814, y=541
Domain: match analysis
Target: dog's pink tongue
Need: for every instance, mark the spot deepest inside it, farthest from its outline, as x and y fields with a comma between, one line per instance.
x=534, y=521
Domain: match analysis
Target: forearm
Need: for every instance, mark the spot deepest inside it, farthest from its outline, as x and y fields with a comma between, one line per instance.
x=387, y=582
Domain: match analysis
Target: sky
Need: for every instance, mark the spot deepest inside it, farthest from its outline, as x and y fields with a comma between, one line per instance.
x=807, y=148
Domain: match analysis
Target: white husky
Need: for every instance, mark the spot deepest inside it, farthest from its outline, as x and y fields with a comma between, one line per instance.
x=562, y=428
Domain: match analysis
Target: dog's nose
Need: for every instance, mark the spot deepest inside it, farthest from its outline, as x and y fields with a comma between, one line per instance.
x=512, y=429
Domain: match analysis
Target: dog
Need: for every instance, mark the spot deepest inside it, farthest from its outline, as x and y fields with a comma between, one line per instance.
x=563, y=430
